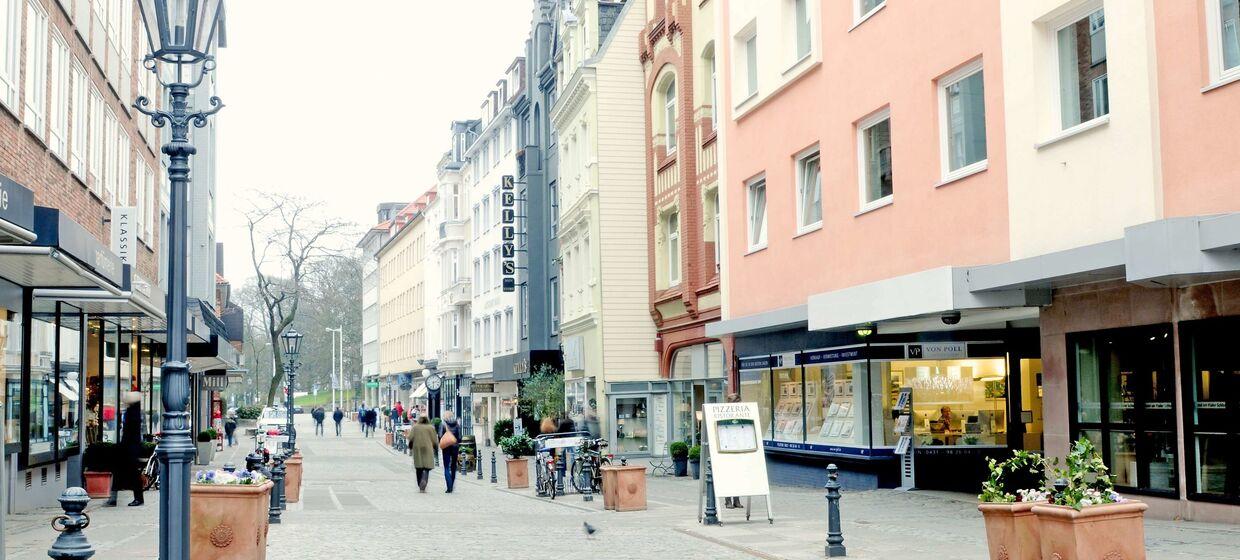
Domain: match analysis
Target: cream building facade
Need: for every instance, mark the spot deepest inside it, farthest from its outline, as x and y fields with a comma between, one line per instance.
x=604, y=311
x=402, y=301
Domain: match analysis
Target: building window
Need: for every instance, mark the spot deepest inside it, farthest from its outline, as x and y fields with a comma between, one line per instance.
x=478, y=351
x=1122, y=388
x=673, y=248
x=1223, y=16
x=58, y=136
x=554, y=196
x=1212, y=401
x=486, y=213
x=10, y=50
x=718, y=230
x=555, y=305
x=804, y=33
x=757, y=214
x=525, y=314
x=499, y=332
x=712, y=90
x=95, y=148
x=36, y=68
x=875, y=145
x=77, y=144
x=751, y=65
x=963, y=117
x=809, y=191
x=669, y=113
x=1082, y=61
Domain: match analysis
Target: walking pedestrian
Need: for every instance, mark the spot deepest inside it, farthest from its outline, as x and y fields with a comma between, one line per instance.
x=372, y=418
x=449, y=438
x=230, y=427
x=337, y=416
x=361, y=417
x=318, y=416
x=125, y=471
x=422, y=442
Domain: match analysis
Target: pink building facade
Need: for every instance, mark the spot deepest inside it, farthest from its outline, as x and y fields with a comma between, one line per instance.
x=1019, y=215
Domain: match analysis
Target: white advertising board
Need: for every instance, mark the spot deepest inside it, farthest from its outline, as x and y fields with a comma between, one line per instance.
x=737, y=458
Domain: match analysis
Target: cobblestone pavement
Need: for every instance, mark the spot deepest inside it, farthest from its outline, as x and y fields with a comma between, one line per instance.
x=359, y=499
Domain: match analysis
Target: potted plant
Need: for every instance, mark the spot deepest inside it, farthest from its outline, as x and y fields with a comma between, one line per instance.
x=501, y=429
x=680, y=457
x=228, y=515
x=206, y=446
x=695, y=461
x=97, y=464
x=1086, y=518
x=517, y=447
x=1012, y=530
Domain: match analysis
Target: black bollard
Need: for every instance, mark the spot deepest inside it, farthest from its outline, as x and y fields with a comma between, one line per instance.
x=253, y=461
x=478, y=460
x=493, y=479
x=587, y=473
x=835, y=536
x=273, y=512
x=711, y=515
x=559, y=472
x=283, y=479
x=230, y=468
x=71, y=543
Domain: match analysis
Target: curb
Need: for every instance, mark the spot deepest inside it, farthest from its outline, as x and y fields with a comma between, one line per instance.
x=729, y=544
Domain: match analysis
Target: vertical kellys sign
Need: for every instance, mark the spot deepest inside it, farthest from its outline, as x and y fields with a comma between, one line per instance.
x=508, y=215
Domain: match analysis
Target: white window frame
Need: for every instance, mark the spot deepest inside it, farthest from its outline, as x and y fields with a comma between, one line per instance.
x=714, y=89
x=58, y=112
x=718, y=234
x=669, y=113
x=742, y=92
x=799, y=33
x=10, y=52
x=508, y=331
x=948, y=175
x=800, y=161
x=1214, y=33
x=860, y=17
x=862, y=169
x=98, y=130
x=37, y=50
x=758, y=243
x=671, y=225
x=1052, y=27
x=79, y=136
x=149, y=203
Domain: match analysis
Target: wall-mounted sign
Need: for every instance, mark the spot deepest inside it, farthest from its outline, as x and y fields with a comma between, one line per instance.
x=17, y=205
x=508, y=215
x=937, y=350
x=125, y=233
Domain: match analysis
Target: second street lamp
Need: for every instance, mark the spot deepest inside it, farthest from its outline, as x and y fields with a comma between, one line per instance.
x=182, y=39
x=291, y=341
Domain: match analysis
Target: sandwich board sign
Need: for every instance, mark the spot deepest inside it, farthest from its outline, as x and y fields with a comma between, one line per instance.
x=732, y=437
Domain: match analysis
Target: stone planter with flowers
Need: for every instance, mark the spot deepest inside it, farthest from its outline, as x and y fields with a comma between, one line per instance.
x=228, y=515
x=1085, y=518
x=1012, y=531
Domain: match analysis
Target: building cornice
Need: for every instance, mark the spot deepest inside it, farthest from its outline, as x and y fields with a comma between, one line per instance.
x=575, y=95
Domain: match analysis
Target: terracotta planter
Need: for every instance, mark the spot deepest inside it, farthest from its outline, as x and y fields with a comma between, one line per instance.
x=98, y=484
x=627, y=489
x=292, y=477
x=1012, y=531
x=518, y=472
x=1108, y=531
x=228, y=521
x=609, y=487
x=387, y=439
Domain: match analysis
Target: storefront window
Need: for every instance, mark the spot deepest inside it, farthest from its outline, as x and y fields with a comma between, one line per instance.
x=789, y=404
x=41, y=401
x=837, y=404
x=69, y=368
x=683, y=412
x=632, y=426
x=1212, y=397
x=94, y=381
x=956, y=402
x=1129, y=374
x=111, y=389
x=756, y=387
x=11, y=341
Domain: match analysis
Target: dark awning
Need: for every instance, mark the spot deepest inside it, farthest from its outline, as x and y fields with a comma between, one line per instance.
x=16, y=212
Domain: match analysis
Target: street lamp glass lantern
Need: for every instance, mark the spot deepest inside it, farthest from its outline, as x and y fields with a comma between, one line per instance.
x=181, y=31
x=291, y=340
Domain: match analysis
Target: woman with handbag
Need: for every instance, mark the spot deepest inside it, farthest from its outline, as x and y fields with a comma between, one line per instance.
x=422, y=442
x=449, y=436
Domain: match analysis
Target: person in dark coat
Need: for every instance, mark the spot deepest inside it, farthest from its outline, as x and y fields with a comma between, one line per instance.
x=230, y=427
x=423, y=439
x=319, y=416
x=338, y=416
x=450, y=452
x=125, y=472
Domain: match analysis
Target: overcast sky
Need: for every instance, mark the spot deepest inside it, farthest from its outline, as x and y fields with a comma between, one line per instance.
x=350, y=102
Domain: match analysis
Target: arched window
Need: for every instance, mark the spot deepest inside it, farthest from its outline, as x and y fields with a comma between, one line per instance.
x=669, y=112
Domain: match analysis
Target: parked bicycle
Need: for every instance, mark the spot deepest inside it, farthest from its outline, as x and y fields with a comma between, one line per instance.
x=150, y=473
x=590, y=453
x=545, y=467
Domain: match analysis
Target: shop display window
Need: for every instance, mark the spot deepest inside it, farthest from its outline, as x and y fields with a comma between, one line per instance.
x=837, y=405
x=41, y=400
x=756, y=387
x=789, y=399
x=956, y=402
x=110, y=412
x=11, y=340
x=55, y=383
x=69, y=388
x=632, y=426
x=1124, y=399
x=1212, y=403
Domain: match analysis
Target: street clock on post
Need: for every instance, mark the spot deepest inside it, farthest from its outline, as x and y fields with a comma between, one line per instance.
x=434, y=382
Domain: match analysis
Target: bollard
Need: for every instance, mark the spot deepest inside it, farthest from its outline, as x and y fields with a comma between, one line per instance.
x=587, y=473
x=277, y=479
x=253, y=461
x=493, y=479
x=711, y=516
x=71, y=543
x=229, y=467
x=283, y=481
x=478, y=460
x=559, y=472
x=835, y=536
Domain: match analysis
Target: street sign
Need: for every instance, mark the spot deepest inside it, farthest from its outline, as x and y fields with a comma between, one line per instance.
x=372, y=384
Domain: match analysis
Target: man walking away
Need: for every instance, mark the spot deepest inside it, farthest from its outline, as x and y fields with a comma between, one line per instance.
x=230, y=427
x=422, y=443
x=337, y=416
x=318, y=416
x=449, y=438
x=125, y=472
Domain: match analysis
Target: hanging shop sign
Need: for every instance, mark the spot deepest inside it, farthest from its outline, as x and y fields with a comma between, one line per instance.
x=125, y=234
x=16, y=210
x=508, y=215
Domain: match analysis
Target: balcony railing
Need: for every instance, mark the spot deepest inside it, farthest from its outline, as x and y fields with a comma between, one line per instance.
x=666, y=177
x=457, y=293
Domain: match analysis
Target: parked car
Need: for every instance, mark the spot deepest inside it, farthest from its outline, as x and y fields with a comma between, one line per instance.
x=272, y=417
x=297, y=409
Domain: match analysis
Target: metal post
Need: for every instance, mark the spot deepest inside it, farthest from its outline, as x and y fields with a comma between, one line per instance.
x=290, y=371
x=712, y=513
x=559, y=472
x=71, y=543
x=277, y=475
x=835, y=536
x=253, y=461
x=493, y=479
x=587, y=473
x=284, y=480
x=478, y=460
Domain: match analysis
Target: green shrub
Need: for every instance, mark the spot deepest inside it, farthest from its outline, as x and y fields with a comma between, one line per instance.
x=501, y=430
x=436, y=422
x=517, y=446
x=249, y=412
x=679, y=450
x=99, y=457
x=695, y=453
x=208, y=435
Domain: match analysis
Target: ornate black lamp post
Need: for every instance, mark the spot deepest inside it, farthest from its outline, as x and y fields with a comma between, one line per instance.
x=182, y=39
x=291, y=342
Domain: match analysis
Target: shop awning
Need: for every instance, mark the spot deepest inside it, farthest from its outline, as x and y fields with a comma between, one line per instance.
x=142, y=302
x=766, y=321
x=17, y=213
x=48, y=267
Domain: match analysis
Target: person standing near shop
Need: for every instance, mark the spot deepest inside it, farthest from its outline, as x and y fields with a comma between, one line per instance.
x=337, y=417
x=449, y=438
x=230, y=427
x=125, y=471
x=422, y=441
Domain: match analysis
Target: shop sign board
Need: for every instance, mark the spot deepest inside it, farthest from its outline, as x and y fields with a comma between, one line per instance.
x=508, y=215
x=733, y=433
x=125, y=233
x=761, y=362
x=938, y=351
x=479, y=388
x=16, y=204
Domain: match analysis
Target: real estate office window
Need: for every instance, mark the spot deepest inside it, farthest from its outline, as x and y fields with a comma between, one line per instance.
x=1081, y=45
x=962, y=117
x=874, y=145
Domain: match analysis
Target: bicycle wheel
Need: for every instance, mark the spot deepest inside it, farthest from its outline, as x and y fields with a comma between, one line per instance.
x=598, y=473
x=578, y=477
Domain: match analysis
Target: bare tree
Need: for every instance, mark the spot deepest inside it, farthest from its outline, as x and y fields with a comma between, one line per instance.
x=288, y=235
